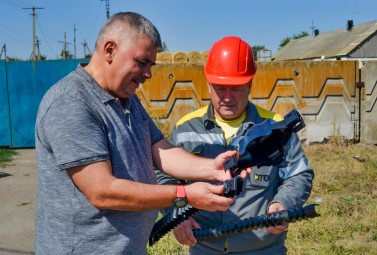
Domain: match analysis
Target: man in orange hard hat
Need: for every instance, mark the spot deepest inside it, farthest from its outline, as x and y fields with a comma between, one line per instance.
x=211, y=130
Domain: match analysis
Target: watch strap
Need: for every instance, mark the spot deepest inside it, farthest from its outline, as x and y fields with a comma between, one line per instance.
x=181, y=193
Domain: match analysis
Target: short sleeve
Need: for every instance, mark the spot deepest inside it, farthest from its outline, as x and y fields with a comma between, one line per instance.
x=74, y=133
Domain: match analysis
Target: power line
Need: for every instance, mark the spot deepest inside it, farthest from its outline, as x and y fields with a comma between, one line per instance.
x=21, y=2
x=6, y=31
x=90, y=32
x=44, y=36
x=10, y=4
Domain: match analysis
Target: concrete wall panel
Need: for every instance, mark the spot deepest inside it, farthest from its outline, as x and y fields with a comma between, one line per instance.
x=369, y=110
x=324, y=92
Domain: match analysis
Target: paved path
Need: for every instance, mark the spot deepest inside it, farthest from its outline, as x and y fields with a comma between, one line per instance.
x=18, y=187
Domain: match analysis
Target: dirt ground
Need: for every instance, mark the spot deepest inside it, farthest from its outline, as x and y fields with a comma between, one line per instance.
x=18, y=187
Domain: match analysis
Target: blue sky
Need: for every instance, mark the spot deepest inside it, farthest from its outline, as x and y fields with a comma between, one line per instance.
x=185, y=25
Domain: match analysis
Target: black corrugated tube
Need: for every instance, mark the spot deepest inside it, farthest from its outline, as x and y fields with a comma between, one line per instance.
x=249, y=224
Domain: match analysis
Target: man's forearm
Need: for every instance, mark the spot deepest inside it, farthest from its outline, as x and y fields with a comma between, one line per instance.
x=181, y=164
x=104, y=191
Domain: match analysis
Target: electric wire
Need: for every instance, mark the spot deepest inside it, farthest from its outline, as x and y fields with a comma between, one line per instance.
x=11, y=4
x=95, y=20
x=44, y=36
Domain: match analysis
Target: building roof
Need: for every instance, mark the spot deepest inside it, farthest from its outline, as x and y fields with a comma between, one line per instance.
x=332, y=44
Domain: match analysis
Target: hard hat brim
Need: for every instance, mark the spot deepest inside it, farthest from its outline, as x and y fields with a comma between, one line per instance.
x=231, y=81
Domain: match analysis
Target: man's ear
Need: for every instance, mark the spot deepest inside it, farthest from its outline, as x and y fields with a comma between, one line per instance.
x=109, y=50
x=250, y=85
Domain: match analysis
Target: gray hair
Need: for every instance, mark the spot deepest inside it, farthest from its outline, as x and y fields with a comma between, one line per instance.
x=132, y=20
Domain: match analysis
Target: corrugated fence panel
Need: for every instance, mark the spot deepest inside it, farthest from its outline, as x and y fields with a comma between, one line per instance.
x=5, y=139
x=27, y=83
x=174, y=90
x=323, y=92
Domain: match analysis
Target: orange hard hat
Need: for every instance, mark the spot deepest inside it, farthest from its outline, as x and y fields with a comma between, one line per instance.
x=230, y=62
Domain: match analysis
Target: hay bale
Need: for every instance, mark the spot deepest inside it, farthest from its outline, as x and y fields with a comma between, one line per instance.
x=179, y=57
x=164, y=57
x=194, y=56
x=204, y=56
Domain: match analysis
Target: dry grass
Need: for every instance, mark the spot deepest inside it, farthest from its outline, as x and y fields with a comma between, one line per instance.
x=345, y=186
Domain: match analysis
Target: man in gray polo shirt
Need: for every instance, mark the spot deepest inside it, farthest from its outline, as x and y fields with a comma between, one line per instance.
x=97, y=149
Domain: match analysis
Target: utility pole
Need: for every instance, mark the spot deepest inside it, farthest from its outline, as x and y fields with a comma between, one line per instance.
x=33, y=57
x=74, y=40
x=37, y=49
x=312, y=27
x=85, y=44
x=64, y=55
x=4, y=49
x=107, y=8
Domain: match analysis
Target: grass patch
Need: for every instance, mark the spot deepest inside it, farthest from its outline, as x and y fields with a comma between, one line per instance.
x=345, y=181
x=345, y=185
x=6, y=156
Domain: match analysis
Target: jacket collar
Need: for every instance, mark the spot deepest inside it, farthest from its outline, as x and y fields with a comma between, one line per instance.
x=252, y=117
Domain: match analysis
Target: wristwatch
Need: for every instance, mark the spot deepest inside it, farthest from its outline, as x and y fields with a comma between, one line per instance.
x=181, y=200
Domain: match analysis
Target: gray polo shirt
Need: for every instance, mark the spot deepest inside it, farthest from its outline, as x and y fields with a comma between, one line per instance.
x=79, y=123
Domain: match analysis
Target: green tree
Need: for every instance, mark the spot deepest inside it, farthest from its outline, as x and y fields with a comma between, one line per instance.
x=164, y=48
x=257, y=48
x=68, y=55
x=284, y=42
x=11, y=59
x=43, y=57
x=287, y=39
x=302, y=34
